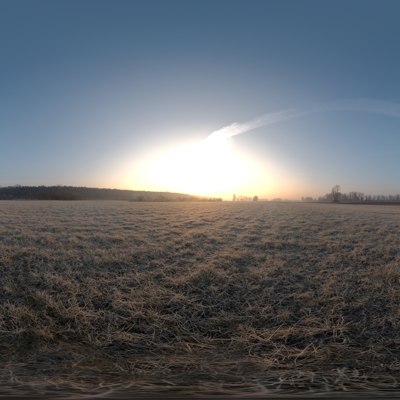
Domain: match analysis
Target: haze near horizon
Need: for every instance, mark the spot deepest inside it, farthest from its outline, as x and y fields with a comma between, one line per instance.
x=275, y=99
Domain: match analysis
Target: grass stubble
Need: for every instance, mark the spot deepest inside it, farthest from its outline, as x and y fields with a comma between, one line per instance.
x=229, y=298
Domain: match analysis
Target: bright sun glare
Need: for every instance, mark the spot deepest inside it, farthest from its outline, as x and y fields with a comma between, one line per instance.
x=205, y=168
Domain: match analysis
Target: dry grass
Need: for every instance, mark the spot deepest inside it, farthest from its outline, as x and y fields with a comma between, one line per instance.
x=226, y=298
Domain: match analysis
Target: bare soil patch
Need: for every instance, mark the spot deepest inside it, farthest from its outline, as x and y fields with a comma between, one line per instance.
x=217, y=298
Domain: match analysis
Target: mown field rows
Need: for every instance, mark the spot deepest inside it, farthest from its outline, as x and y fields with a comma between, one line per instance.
x=247, y=295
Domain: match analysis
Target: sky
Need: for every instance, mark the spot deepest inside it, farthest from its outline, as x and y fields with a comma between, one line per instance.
x=135, y=95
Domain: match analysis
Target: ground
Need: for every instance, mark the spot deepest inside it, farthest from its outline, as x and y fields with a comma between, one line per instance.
x=252, y=297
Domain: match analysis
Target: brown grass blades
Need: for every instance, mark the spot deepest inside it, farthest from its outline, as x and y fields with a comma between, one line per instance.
x=225, y=298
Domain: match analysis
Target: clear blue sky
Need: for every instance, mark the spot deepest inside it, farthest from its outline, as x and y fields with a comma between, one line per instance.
x=97, y=93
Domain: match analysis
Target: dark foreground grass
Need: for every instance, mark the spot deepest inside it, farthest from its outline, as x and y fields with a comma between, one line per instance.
x=187, y=298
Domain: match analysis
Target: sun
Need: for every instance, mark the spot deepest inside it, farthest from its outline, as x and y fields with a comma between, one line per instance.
x=206, y=168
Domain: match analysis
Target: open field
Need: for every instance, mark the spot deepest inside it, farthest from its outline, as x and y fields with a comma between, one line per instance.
x=236, y=297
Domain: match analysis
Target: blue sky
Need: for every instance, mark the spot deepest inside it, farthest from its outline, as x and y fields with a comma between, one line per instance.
x=116, y=94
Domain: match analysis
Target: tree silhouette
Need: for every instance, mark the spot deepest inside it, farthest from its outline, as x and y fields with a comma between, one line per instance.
x=336, y=193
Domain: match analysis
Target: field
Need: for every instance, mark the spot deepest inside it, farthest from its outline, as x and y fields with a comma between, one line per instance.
x=251, y=297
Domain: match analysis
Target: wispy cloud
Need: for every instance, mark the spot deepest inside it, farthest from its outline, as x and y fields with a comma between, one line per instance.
x=364, y=105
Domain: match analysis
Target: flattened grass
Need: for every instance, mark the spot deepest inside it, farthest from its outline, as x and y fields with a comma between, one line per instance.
x=232, y=297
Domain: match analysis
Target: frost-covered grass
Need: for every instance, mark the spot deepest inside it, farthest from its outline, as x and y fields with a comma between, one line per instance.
x=238, y=296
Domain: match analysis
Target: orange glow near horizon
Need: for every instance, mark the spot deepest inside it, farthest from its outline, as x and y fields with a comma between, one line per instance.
x=212, y=168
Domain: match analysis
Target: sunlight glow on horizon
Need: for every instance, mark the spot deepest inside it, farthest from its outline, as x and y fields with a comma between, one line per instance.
x=207, y=167
x=212, y=167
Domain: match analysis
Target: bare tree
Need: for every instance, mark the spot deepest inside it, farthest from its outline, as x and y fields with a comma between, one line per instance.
x=255, y=198
x=336, y=193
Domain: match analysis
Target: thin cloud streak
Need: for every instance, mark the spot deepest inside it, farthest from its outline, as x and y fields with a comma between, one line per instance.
x=364, y=105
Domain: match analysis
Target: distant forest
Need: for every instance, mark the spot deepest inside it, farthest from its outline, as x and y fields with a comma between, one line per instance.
x=83, y=193
x=354, y=197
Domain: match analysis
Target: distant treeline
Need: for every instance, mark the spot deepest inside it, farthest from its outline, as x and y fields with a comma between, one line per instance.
x=40, y=193
x=79, y=193
x=244, y=198
x=354, y=196
x=162, y=197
